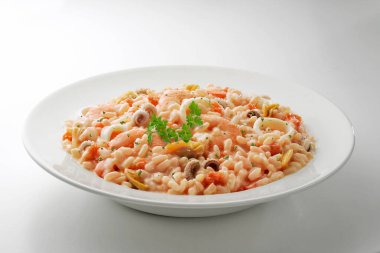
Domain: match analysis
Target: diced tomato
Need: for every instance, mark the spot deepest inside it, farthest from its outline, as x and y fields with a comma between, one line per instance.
x=252, y=106
x=140, y=164
x=218, y=93
x=67, y=136
x=153, y=100
x=216, y=107
x=115, y=133
x=214, y=177
x=275, y=149
x=294, y=118
x=93, y=151
x=115, y=168
x=129, y=101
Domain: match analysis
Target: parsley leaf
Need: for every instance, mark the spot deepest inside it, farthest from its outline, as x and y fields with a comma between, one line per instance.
x=169, y=134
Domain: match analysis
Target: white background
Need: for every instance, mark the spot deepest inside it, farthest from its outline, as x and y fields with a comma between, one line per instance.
x=332, y=47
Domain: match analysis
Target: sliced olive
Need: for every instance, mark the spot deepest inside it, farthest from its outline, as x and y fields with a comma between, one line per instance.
x=213, y=163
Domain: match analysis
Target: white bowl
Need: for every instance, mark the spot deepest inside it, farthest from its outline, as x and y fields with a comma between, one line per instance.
x=44, y=128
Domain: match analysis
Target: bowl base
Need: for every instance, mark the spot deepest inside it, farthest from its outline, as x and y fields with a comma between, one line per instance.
x=184, y=212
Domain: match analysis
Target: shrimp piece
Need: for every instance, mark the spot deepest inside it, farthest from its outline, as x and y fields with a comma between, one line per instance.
x=228, y=129
x=127, y=139
x=98, y=111
x=157, y=141
x=175, y=96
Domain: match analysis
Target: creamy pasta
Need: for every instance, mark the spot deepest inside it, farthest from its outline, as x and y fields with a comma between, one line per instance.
x=189, y=140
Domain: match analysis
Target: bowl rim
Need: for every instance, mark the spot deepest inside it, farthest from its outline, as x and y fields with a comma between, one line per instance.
x=175, y=203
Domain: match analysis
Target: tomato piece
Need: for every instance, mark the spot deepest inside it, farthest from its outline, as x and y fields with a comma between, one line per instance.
x=67, y=136
x=214, y=177
x=115, y=133
x=216, y=107
x=153, y=100
x=93, y=151
x=294, y=118
x=129, y=101
x=275, y=149
x=252, y=106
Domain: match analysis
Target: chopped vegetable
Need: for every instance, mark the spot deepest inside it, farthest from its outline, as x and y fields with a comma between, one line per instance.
x=275, y=148
x=286, y=158
x=251, y=106
x=192, y=87
x=295, y=119
x=67, y=136
x=93, y=151
x=216, y=107
x=214, y=177
x=268, y=109
x=132, y=179
x=115, y=133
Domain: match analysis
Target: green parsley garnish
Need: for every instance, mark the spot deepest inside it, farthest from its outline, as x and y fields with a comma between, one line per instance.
x=252, y=144
x=122, y=122
x=100, y=159
x=100, y=120
x=194, y=119
x=139, y=173
x=169, y=134
x=243, y=132
x=226, y=157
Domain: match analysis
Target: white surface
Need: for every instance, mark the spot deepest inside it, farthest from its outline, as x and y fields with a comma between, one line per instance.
x=330, y=46
x=335, y=142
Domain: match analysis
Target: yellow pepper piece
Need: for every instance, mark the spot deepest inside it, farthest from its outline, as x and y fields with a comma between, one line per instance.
x=192, y=87
x=268, y=109
x=132, y=179
x=286, y=158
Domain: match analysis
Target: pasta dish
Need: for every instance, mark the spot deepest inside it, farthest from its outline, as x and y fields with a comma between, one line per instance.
x=189, y=140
